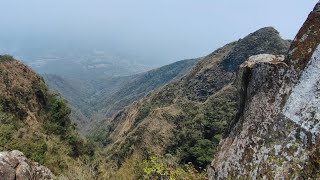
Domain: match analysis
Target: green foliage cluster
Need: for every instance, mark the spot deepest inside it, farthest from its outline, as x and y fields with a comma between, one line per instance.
x=142, y=113
x=200, y=128
x=79, y=146
x=58, y=122
x=155, y=168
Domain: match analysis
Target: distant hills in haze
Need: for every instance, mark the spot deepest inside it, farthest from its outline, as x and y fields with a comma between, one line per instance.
x=96, y=99
x=248, y=110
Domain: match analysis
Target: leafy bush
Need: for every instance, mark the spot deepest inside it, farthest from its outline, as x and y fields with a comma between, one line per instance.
x=200, y=128
x=79, y=146
x=155, y=168
x=58, y=121
x=201, y=153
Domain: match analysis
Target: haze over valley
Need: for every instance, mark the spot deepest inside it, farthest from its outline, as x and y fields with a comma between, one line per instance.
x=177, y=90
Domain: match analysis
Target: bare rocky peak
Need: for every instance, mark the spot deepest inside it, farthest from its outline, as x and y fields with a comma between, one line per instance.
x=15, y=166
x=264, y=41
x=218, y=69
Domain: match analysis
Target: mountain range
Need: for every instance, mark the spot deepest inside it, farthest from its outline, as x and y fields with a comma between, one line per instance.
x=248, y=110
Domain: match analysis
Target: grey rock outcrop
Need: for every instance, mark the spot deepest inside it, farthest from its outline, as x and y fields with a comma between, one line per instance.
x=277, y=134
x=15, y=166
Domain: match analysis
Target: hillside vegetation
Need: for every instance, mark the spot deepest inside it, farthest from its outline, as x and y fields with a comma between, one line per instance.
x=35, y=121
x=187, y=118
x=248, y=110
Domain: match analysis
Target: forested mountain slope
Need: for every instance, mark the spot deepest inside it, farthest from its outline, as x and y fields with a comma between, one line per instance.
x=188, y=117
x=35, y=121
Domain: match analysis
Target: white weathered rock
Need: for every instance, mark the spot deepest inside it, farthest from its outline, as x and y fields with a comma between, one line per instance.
x=303, y=105
x=270, y=58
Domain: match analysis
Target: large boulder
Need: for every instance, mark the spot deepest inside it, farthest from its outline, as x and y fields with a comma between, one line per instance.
x=15, y=166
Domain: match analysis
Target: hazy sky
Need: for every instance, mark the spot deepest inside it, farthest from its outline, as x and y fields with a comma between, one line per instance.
x=163, y=30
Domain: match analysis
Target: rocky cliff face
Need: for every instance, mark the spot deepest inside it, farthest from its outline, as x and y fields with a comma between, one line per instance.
x=277, y=134
x=15, y=166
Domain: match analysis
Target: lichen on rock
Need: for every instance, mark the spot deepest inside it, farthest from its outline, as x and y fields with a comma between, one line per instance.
x=303, y=105
x=276, y=136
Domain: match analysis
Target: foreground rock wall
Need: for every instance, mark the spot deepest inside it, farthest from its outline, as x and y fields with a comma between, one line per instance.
x=277, y=135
